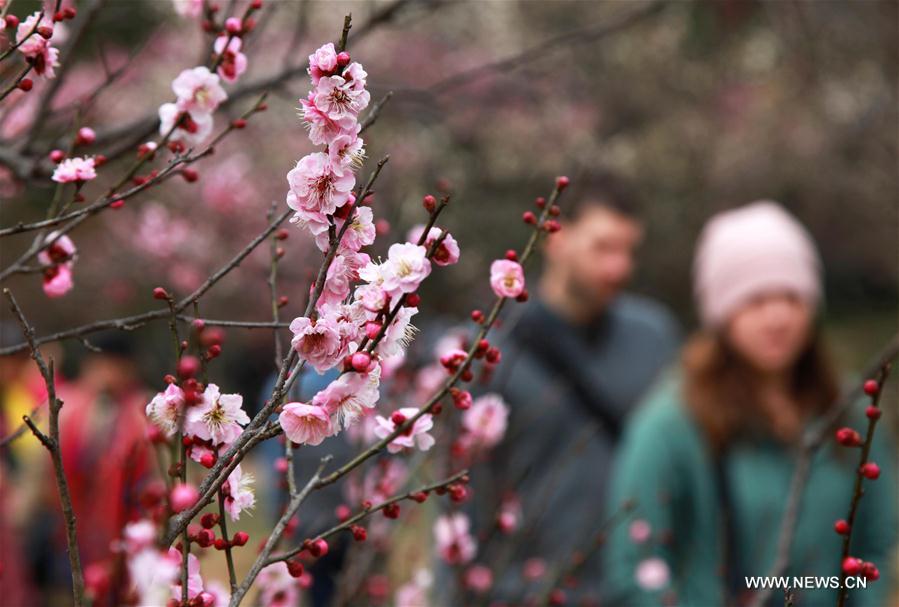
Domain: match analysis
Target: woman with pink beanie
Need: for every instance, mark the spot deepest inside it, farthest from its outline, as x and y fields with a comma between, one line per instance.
x=707, y=460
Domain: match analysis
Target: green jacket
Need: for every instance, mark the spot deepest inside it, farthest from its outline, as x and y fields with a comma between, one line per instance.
x=665, y=465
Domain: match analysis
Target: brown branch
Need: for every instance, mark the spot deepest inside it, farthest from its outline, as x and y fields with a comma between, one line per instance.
x=375, y=508
x=51, y=442
x=294, y=505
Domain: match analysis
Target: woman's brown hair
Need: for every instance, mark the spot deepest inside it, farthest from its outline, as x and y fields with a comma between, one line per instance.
x=718, y=387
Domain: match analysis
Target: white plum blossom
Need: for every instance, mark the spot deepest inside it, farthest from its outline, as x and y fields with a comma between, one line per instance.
x=166, y=408
x=416, y=436
x=218, y=417
x=406, y=267
x=238, y=492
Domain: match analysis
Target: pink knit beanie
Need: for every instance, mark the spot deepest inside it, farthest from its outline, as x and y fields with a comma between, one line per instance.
x=752, y=250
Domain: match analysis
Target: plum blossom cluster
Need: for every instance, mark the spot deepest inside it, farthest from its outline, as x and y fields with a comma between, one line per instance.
x=209, y=423
x=155, y=574
x=363, y=311
x=322, y=182
x=57, y=259
x=34, y=36
x=189, y=119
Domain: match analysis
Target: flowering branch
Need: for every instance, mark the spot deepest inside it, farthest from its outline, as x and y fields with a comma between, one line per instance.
x=865, y=469
x=540, y=226
x=810, y=444
x=129, y=323
x=51, y=443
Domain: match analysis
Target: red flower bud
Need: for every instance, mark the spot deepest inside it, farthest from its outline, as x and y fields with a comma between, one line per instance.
x=12, y=21
x=511, y=255
x=239, y=123
x=412, y=300
x=477, y=316
x=398, y=418
x=873, y=412
x=529, y=218
x=343, y=59
x=209, y=520
x=429, y=203
x=561, y=182
x=848, y=437
x=841, y=527
x=295, y=568
x=25, y=84
x=392, y=510
x=241, y=538
x=871, y=387
x=342, y=512
x=419, y=496
x=190, y=175
x=852, y=565
x=360, y=361
x=359, y=533
x=188, y=367
x=57, y=156
x=870, y=471
x=160, y=293
x=318, y=548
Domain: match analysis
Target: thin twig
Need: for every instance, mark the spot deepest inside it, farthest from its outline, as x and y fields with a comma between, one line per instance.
x=51, y=442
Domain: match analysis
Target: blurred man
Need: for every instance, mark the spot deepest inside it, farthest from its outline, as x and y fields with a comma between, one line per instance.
x=574, y=363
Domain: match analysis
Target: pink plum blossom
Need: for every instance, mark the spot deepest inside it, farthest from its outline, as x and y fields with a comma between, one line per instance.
x=479, y=578
x=318, y=342
x=455, y=545
x=342, y=273
x=360, y=233
x=416, y=436
x=138, y=535
x=506, y=278
x=218, y=417
x=192, y=130
x=399, y=334
x=355, y=76
x=234, y=63
x=152, y=574
x=322, y=62
x=347, y=397
x=639, y=531
x=322, y=128
x=75, y=170
x=485, y=421
x=339, y=99
x=346, y=151
x=406, y=267
x=166, y=408
x=415, y=592
x=238, y=492
x=198, y=91
x=305, y=424
x=446, y=254
x=44, y=56
x=188, y=8
x=276, y=586
x=652, y=574
x=194, y=581
x=372, y=297
x=317, y=187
